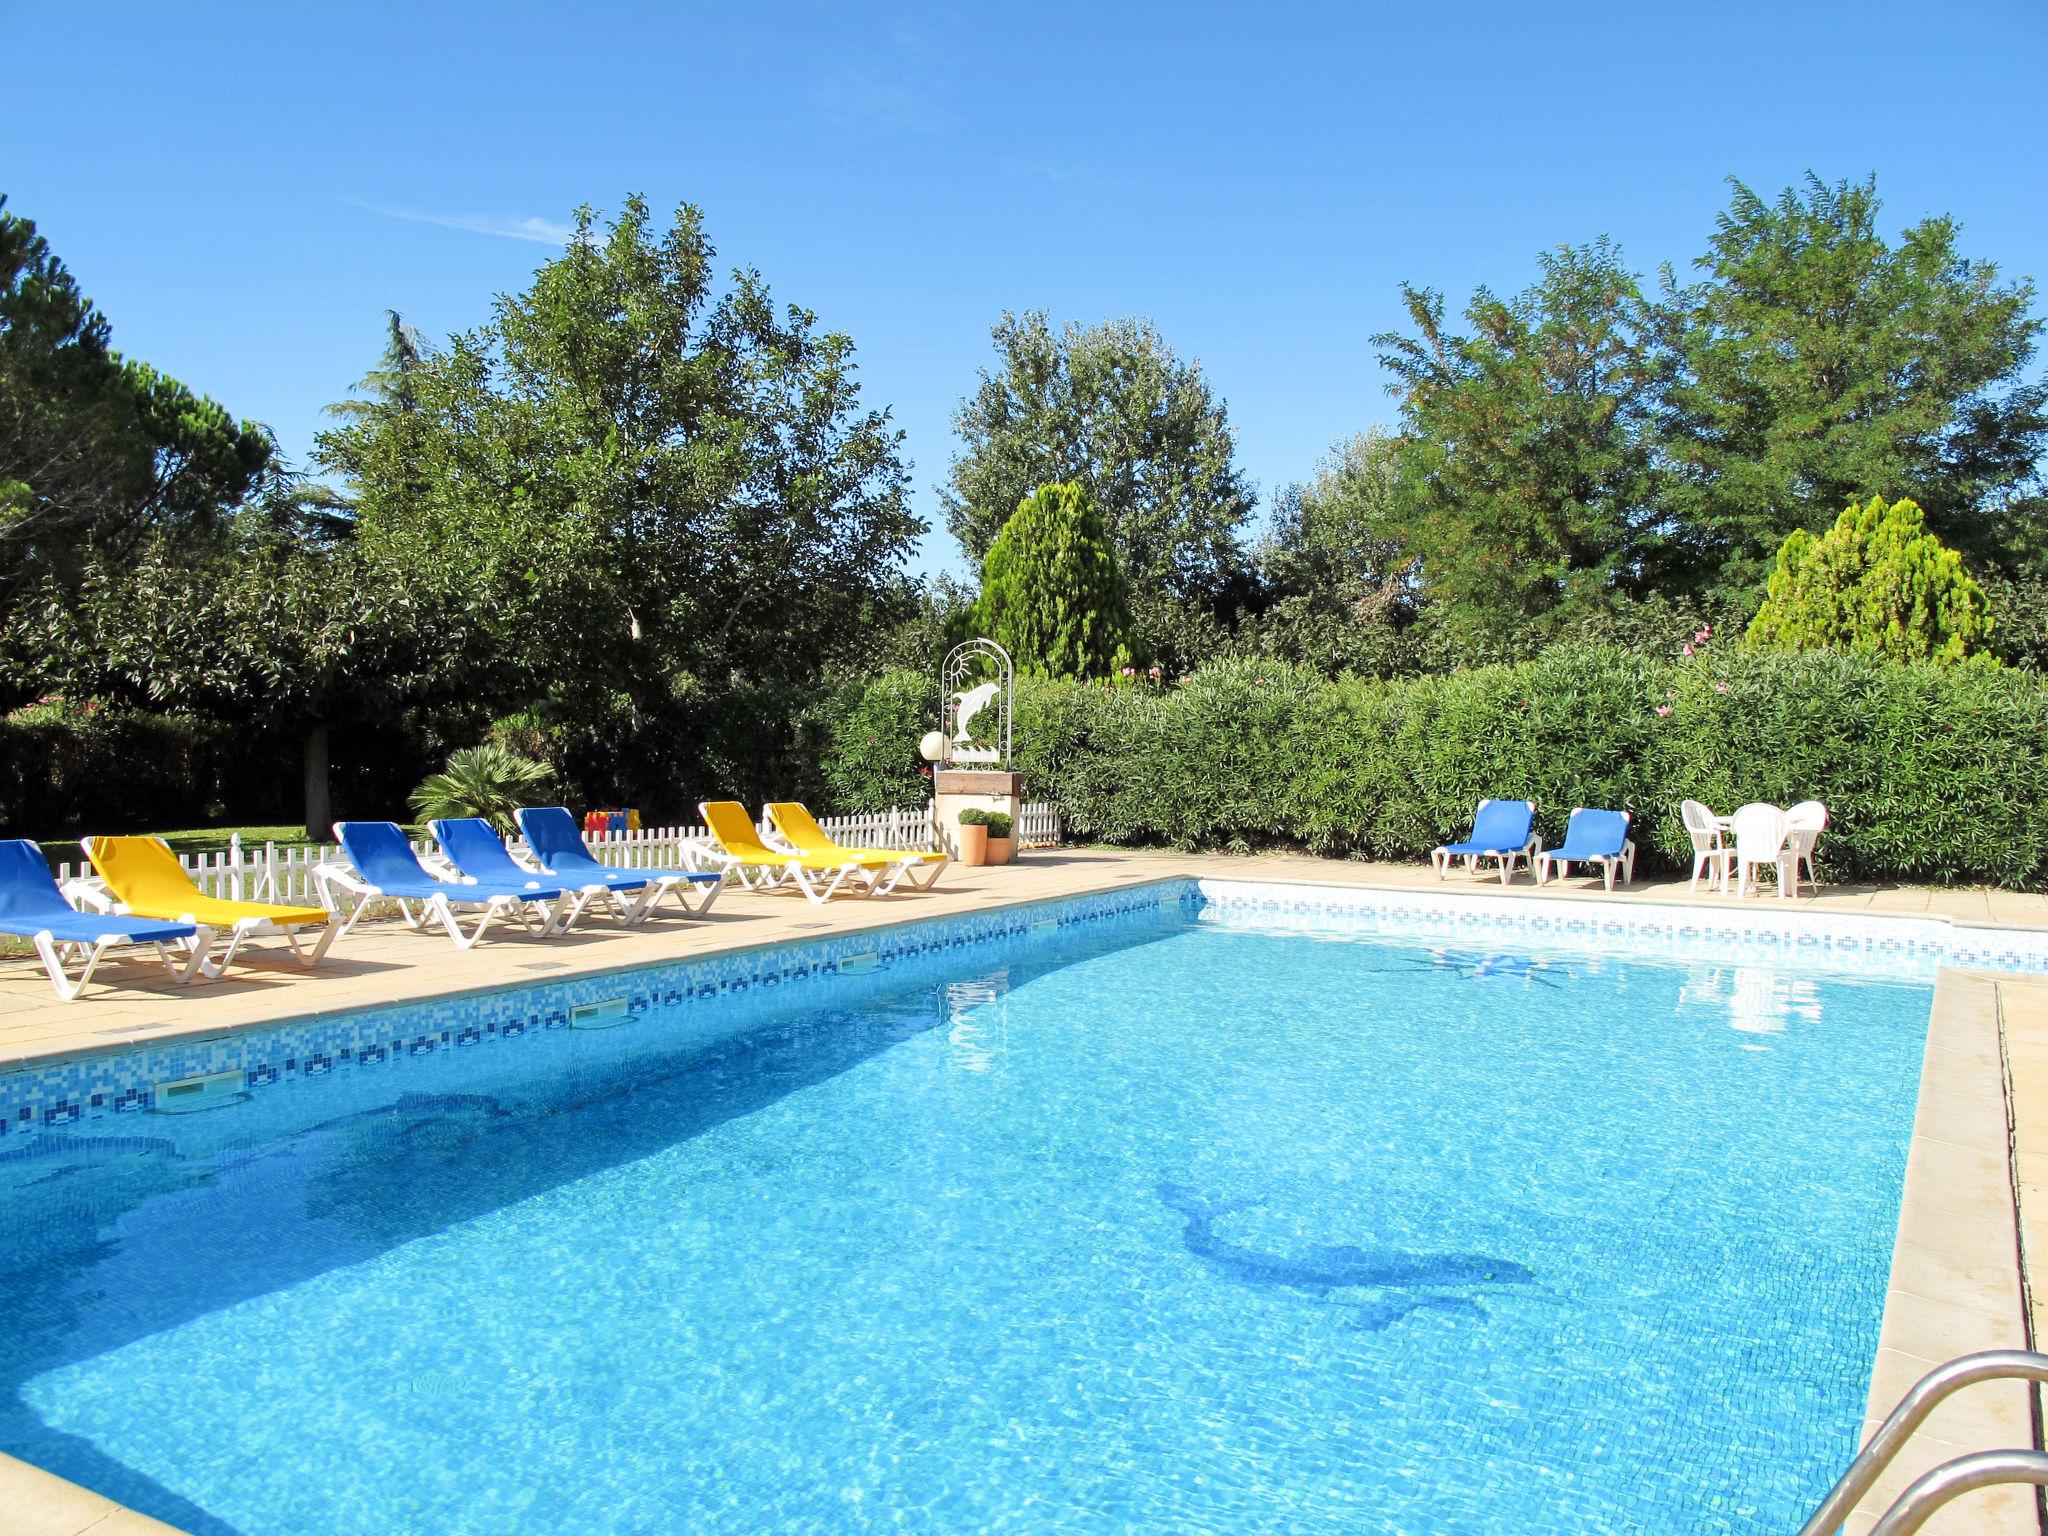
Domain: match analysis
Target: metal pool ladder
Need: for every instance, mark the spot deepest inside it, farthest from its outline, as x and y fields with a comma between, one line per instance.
x=1913, y=1508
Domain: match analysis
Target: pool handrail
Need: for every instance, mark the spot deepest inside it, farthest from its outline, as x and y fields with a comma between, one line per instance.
x=1920, y=1501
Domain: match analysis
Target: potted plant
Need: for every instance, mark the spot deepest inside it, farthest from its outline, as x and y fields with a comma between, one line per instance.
x=1000, y=843
x=974, y=837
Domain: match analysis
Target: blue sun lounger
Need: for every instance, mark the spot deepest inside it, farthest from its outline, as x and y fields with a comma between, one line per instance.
x=473, y=846
x=31, y=907
x=559, y=849
x=382, y=864
x=1504, y=830
x=1592, y=837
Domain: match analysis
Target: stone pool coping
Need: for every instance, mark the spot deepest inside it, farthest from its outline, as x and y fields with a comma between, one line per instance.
x=1957, y=1281
x=1961, y=1260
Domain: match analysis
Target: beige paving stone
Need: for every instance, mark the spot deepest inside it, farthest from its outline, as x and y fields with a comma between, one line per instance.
x=1987, y=1512
x=1941, y=1277
x=126, y=1522
x=1965, y=1117
x=34, y=1503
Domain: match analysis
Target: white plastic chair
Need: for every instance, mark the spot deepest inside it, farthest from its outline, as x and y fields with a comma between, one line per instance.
x=1805, y=823
x=1760, y=839
x=1707, y=847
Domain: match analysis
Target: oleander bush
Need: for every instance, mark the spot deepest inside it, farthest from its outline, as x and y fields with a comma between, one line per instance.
x=1929, y=773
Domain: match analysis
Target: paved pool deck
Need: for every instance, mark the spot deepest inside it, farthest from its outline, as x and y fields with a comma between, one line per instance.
x=1970, y=1262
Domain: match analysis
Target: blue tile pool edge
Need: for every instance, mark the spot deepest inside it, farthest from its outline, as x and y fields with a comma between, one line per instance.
x=57, y=1095
x=62, y=1094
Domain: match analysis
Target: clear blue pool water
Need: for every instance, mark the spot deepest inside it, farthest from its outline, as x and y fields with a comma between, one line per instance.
x=1168, y=1226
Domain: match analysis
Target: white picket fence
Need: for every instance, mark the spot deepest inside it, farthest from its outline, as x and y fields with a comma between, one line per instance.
x=285, y=873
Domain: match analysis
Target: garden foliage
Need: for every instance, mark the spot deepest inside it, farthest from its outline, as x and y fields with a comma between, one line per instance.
x=1876, y=583
x=1929, y=772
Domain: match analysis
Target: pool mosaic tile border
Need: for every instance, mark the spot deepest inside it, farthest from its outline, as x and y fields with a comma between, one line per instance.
x=1872, y=944
x=60, y=1095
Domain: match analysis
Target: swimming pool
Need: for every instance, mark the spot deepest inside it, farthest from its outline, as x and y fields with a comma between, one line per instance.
x=1152, y=1214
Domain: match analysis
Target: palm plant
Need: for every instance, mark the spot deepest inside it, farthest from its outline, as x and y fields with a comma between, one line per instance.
x=490, y=781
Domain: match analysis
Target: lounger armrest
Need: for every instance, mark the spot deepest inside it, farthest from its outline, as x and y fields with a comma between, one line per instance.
x=331, y=879
x=696, y=854
x=89, y=893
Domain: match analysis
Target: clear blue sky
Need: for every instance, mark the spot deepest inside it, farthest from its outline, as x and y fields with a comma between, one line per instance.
x=245, y=189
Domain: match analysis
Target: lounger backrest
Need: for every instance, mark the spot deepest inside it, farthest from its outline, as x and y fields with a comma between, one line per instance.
x=552, y=834
x=799, y=828
x=141, y=871
x=475, y=848
x=734, y=828
x=1759, y=831
x=379, y=851
x=1503, y=823
x=1595, y=831
x=27, y=888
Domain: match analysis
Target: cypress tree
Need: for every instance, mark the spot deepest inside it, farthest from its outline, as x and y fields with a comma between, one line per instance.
x=1052, y=592
x=1877, y=583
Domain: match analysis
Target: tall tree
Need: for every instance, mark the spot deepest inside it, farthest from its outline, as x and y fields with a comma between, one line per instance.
x=1336, y=541
x=670, y=497
x=104, y=451
x=259, y=625
x=1816, y=364
x=1528, y=479
x=1111, y=408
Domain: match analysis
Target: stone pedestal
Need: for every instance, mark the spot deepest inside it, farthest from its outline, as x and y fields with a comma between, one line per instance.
x=958, y=789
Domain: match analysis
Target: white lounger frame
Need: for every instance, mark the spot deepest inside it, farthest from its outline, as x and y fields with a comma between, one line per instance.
x=339, y=883
x=1531, y=850
x=753, y=875
x=51, y=951
x=641, y=907
x=1626, y=860
x=885, y=876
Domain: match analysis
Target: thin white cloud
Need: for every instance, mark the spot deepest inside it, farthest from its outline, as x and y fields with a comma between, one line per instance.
x=865, y=98
x=539, y=231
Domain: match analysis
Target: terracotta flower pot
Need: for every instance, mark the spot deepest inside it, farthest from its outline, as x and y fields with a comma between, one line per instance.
x=973, y=846
x=1000, y=849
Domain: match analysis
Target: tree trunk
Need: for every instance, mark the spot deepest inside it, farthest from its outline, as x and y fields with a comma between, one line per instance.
x=319, y=814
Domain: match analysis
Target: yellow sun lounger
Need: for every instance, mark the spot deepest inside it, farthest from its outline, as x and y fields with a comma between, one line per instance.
x=797, y=827
x=817, y=875
x=146, y=879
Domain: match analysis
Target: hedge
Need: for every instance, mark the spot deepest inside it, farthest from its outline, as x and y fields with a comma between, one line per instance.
x=1929, y=774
